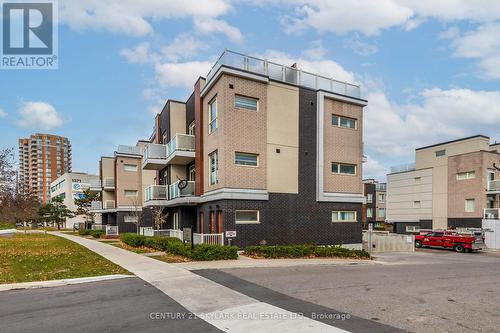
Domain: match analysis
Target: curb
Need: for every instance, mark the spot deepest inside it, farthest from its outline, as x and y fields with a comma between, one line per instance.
x=59, y=283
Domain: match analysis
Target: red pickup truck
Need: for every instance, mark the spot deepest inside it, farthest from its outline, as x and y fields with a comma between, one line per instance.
x=450, y=240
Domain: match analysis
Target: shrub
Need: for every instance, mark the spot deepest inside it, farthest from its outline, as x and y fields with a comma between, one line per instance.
x=133, y=240
x=301, y=251
x=205, y=252
x=84, y=232
x=97, y=233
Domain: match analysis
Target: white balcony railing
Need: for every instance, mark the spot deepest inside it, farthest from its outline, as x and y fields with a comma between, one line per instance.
x=95, y=184
x=381, y=187
x=283, y=73
x=494, y=185
x=491, y=213
x=109, y=204
x=156, y=151
x=96, y=205
x=133, y=150
x=180, y=142
x=176, y=192
x=108, y=183
x=156, y=192
x=212, y=239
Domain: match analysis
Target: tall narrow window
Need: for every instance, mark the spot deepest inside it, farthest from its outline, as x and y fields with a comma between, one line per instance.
x=470, y=205
x=192, y=173
x=381, y=197
x=191, y=128
x=243, y=102
x=381, y=212
x=213, y=165
x=212, y=115
x=369, y=212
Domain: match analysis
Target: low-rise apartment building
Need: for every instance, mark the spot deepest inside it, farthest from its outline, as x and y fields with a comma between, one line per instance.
x=452, y=184
x=374, y=211
x=122, y=186
x=263, y=154
x=71, y=186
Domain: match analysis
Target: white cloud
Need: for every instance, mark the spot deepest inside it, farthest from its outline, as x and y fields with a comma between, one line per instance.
x=39, y=115
x=140, y=54
x=482, y=44
x=360, y=47
x=315, y=51
x=208, y=25
x=3, y=114
x=374, y=169
x=183, y=46
x=182, y=74
x=133, y=17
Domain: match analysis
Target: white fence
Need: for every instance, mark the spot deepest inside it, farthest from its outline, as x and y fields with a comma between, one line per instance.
x=212, y=239
x=111, y=230
x=97, y=227
x=149, y=231
x=146, y=231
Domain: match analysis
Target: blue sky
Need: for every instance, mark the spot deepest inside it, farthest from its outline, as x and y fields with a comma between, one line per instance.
x=430, y=70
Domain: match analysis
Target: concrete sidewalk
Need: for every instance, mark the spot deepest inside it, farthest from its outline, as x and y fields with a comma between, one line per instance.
x=220, y=306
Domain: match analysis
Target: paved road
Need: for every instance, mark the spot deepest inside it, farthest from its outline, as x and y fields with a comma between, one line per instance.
x=110, y=306
x=428, y=291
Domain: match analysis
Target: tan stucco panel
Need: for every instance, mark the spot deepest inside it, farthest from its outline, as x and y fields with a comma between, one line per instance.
x=343, y=145
x=128, y=180
x=282, y=134
x=177, y=172
x=177, y=118
x=239, y=130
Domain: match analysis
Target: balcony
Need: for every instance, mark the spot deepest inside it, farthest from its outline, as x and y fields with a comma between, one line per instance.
x=180, y=150
x=129, y=150
x=175, y=192
x=283, y=73
x=491, y=213
x=493, y=186
x=382, y=187
x=156, y=192
x=108, y=184
x=96, y=205
x=109, y=204
x=95, y=185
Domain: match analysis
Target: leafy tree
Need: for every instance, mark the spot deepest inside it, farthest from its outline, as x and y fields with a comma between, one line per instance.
x=55, y=212
x=84, y=205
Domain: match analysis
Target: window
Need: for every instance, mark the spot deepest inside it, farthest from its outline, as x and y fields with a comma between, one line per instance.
x=212, y=115
x=440, y=153
x=369, y=212
x=369, y=198
x=466, y=175
x=346, y=169
x=246, y=102
x=191, y=128
x=381, y=197
x=213, y=167
x=246, y=159
x=192, y=173
x=416, y=204
x=130, y=167
x=247, y=216
x=175, y=221
x=417, y=180
x=130, y=193
x=412, y=228
x=343, y=216
x=130, y=219
x=381, y=212
x=343, y=122
x=470, y=205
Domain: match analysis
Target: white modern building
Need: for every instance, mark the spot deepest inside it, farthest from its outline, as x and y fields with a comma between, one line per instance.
x=70, y=186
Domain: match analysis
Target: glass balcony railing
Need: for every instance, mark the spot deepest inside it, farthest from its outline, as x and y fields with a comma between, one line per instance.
x=494, y=185
x=156, y=192
x=133, y=150
x=155, y=151
x=283, y=73
x=176, y=192
x=180, y=142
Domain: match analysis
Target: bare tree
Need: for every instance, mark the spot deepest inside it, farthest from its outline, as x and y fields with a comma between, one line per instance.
x=137, y=212
x=158, y=217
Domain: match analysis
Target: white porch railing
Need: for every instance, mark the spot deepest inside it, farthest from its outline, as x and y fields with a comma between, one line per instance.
x=97, y=227
x=169, y=233
x=491, y=213
x=494, y=185
x=146, y=231
x=212, y=239
x=111, y=230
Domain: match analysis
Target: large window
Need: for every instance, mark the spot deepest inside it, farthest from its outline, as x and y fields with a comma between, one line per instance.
x=369, y=198
x=466, y=175
x=130, y=219
x=130, y=167
x=246, y=159
x=470, y=205
x=369, y=212
x=344, y=122
x=212, y=115
x=247, y=216
x=248, y=103
x=342, y=168
x=381, y=197
x=381, y=212
x=213, y=167
x=343, y=216
x=130, y=193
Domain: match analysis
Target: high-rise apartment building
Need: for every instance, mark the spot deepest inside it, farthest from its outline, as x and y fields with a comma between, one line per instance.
x=42, y=159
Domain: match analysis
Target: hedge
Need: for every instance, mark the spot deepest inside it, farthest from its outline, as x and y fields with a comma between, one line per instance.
x=301, y=251
x=176, y=246
x=90, y=232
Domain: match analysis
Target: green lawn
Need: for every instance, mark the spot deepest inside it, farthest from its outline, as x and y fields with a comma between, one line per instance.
x=4, y=226
x=39, y=257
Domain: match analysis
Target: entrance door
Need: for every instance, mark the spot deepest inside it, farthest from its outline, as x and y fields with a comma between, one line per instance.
x=212, y=222
x=219, y=222
x=175, y=221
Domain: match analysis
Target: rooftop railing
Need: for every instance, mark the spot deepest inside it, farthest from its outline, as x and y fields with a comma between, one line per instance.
x=283, y=73
x=134, y=150
x=403, y=168
x=381, y=187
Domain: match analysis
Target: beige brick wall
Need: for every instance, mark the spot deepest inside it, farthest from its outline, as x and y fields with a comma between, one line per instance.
x=239, y=130
x=128, y=180
x=460, y=190
x=342, y=145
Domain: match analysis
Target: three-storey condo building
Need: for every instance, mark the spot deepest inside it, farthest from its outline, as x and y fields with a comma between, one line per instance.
x=42, y=159
x=122, y=184
x=374, y=210
x=452, y=184
x=262, y=153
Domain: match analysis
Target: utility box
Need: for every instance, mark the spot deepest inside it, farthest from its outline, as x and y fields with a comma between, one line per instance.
x=491, y=230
